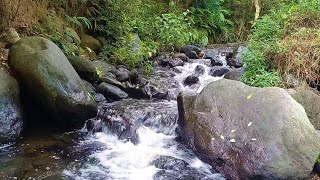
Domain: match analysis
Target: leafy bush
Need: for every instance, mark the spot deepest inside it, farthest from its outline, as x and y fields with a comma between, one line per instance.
x=159, y=27
x=209, y=16
x=53, y=26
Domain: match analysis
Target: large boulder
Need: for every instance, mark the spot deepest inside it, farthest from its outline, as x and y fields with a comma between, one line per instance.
x=311, y=103
x=248, y=132
x=49, y=80
x=11, y=121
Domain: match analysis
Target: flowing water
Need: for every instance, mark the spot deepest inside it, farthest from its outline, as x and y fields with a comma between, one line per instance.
x=137, y=140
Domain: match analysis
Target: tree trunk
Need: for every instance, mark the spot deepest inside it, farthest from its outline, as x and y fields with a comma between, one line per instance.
x=258, y=9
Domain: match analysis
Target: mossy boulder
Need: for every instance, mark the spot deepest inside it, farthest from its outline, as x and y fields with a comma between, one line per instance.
x=49, y=80
x=85, y=68
x=11, y=121
x=248, y=132
x=73, y=35
x=90, y=42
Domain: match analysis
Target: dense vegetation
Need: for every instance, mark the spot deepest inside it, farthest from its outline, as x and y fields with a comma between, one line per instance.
x=282, y=36
x=284, y=45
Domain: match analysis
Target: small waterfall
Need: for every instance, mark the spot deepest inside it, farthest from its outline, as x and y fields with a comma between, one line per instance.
x=139, y=139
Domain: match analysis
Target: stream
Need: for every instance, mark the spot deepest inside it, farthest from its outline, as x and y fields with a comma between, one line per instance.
x=135, y=140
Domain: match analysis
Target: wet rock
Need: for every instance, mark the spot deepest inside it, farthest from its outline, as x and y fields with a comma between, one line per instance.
x=239, y=52
x=142, y=81
x=218, y=71
x=112, y=81
x=146, y=91
x=175, y=62
x=234, y=74
x=233, y=63
x=317, y=167
x=311, y=103
x=90, y=42
x=168, y=74
x=192, y=79
x=176, y=70
x=199, y=70
x=11, y=120
x=154, y=92
x=216, y=62
x=50, y=82
x=192, y=52
x=122, y=74
x=182, y=56
x=89, y=87
x=111, y=91
x=94, y=125
x=242, y=124
x=133, y=75
x=170, y=163
x=99, y=98
x=104, y=68
x=84, y=68
x=163, y=59
x=117, y=123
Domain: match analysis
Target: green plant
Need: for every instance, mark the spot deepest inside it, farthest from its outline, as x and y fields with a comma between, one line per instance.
x=78, y=22
x=258, y=73
x=209, y=16
x=99, y=72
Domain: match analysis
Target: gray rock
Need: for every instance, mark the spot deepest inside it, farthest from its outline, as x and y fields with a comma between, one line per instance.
x=175, y=62
x=192, y=52
x=112, y=81
x=50, y=81
x=163, y=59
x=249, y=133
x=133, y=75
x=111, y=91
x=199, y=70
x=11, y=121
x=85, y=68
x=234, y=74
x=170, y=163
x=122, y=74
x=182, y=56
x=89, y=87
x=218, y=71
x=192, y=79
x=104, y=67
x=99, y=98
x=311, y=103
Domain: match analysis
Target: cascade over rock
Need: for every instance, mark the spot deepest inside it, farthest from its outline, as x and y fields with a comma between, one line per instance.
x=248, y=132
